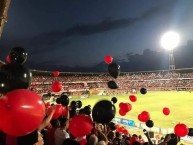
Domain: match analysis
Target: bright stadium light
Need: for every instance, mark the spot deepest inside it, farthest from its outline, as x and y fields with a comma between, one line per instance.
x=169, y=41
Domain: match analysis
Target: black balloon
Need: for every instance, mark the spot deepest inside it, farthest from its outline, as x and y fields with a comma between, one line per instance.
x=114, y=70
x=149, y=123
x=64, y=100
x=103, y=112
x=81, y=111
x=87, y=110
x=79, y=104
x=18, y=55
x=17, y=77
x=114, y=100
x=112, y=85
x=58, y=101
x=190, y=132
x=73, y=104
x=112, y=125
x=73, y=112
x=143, y=91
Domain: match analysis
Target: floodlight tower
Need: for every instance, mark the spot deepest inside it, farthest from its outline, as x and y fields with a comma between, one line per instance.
x=170, y=41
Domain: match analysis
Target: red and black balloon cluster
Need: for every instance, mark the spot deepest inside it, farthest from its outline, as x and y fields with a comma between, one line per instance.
x=18, y=105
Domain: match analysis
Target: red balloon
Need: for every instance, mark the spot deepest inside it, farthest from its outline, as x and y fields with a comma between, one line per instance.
x=64, y=111
x=139, y=117
x=8, y=59
x=47, y=104
x=121, y=104
x=122, y=113
x=57, y=87
x=117, y=126
x=144, y=116
x=133, y=98
x=166, y=111
x=119, y=129
x=129, y=106
x=58, y=111
x=83, y=142
x=21, y=112
x=56, y=73
x=125, y=107
x=108, y=59
x=126, y=132
x=80, y=125
x=181, y=130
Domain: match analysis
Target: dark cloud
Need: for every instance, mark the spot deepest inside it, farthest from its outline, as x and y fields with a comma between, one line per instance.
x=109, y=24
x=45, y=42
x=50, y=40
x=105, y=25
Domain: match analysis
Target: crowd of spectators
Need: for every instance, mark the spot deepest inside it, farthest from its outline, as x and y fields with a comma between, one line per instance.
x=151, y=80
x=56, y=132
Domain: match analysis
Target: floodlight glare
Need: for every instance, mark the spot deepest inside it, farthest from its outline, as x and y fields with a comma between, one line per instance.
x=170, y=40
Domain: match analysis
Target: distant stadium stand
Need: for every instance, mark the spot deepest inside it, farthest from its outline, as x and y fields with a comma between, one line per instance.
x=79, y=83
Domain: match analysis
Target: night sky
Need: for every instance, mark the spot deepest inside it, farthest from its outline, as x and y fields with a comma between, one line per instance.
x=81, y=32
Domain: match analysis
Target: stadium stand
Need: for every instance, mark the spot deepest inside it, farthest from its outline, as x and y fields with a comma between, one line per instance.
x=181, y=79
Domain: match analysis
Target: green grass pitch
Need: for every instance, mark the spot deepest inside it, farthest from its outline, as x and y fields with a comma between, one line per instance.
x=180, y=104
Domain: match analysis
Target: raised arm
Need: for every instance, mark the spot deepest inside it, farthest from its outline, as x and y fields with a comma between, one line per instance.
x=47, y=120
x=166, y=140
x=147, y=135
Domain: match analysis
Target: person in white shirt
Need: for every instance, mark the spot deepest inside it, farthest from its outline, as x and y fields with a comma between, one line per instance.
x=61, y=134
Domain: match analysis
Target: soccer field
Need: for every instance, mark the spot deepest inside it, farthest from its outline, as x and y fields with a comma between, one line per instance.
x=180, y=104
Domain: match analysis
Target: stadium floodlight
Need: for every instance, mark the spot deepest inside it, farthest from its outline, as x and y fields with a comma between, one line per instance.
x=169, y=41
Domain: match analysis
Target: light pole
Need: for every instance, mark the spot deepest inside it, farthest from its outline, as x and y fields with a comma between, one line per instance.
x=170, y=41
x=4, y=5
